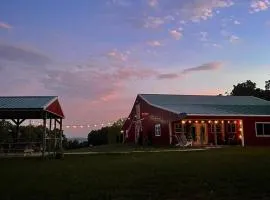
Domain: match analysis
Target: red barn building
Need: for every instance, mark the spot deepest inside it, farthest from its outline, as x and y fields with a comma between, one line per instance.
x=183, y=120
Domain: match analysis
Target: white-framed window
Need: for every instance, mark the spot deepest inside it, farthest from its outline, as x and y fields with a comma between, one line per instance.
x=262, y=129
x=231, y=128
x=179, y=128
x=157, y=130
x=215, y=128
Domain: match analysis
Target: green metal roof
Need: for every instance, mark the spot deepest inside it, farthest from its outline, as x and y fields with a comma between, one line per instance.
x=25, y=102
x=209, y=105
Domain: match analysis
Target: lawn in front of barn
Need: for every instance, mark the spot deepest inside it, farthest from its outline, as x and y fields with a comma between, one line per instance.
x=229, y=173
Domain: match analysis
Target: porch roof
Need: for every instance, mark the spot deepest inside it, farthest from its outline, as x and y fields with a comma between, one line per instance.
x=209, y=105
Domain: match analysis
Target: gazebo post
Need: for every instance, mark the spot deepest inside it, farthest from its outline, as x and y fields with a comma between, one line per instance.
x=50, y=130
x=17, y=122
x=61, y=133
x=44, y=134
x=55, y=135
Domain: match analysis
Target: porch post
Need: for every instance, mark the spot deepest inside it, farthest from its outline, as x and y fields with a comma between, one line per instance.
x=170, y=132
x=215, y=130
x=242, y=133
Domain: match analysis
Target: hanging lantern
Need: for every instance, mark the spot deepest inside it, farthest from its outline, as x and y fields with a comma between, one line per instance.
x=216, y=122
x=196, y=122
x=183, y=122
x=222, y=122
x=209, y=121
x=202, y=122
x=189, y=121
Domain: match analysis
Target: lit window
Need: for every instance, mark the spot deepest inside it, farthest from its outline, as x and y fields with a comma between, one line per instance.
x=263, y=129
x=157, y=130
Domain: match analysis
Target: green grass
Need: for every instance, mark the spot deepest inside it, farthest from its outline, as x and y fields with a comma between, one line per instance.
x=113, y=148
x=231, y=173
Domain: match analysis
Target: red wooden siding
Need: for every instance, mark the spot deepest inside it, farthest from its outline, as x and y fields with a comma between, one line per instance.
x=156, y=116
x=250, y=131
x=56, y=109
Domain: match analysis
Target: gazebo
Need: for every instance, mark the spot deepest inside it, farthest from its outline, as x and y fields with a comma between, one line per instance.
x=20, y=108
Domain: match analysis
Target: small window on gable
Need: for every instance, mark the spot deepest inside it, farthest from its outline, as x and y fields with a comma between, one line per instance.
x=157, y=130
x=263, y=129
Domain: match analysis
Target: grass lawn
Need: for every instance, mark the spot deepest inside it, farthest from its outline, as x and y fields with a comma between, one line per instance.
x=230, y=173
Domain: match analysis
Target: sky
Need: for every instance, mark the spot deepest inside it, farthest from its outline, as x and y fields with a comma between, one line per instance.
x=97, y=55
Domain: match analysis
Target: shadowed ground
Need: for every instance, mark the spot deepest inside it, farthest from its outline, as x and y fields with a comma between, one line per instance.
x=230, y=173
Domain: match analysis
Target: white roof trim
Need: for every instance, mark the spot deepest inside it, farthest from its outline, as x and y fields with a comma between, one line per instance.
x=160, y=107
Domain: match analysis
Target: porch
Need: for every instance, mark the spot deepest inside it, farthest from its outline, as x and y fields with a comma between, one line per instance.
x=207, y=132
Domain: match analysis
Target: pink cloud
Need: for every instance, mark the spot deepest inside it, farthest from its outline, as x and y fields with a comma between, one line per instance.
x=5, y=25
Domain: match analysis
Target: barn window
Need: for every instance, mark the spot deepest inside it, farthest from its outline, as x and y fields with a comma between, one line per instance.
x=262, y=129
x=232, y=128
x=217, y=129
x=157, y=130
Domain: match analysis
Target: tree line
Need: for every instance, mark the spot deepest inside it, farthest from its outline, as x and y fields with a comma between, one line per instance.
x=106, y=135
x=249, y=88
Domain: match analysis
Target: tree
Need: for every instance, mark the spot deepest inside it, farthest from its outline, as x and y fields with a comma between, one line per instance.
x=244, y=89
x=249, y=88
x=106, y=135
x=267, y=85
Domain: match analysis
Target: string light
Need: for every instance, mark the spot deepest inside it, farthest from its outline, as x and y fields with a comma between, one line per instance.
x=240, y=129
x=202, y=122
x=209, y=121
x=240, y=122
x=189, y=121
x=183, y=122
x=216, y=122
x=196, y=121
x=229, y=122
x=222, y=122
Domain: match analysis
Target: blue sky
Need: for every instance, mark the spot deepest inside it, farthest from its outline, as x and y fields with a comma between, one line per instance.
x=97, y=55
